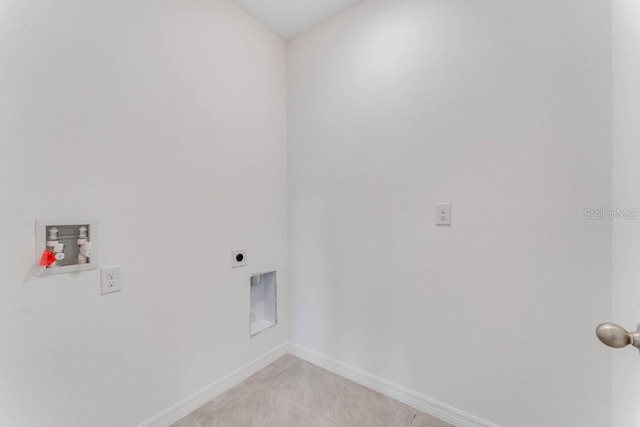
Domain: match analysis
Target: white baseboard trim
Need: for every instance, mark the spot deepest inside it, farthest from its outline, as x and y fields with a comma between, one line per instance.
x=193, y=402
x=425, y=404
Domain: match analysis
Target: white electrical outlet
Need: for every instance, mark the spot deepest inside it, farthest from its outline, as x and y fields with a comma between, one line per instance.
x=238, y=258
x=110, y=280
x=443, y=213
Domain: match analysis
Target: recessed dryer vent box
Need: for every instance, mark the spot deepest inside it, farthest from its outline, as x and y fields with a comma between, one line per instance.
x=263, y=302
x=66, y=247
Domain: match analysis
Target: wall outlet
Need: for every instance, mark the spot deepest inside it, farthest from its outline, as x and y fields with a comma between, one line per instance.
x=110, y=280
x=238, y=258
x=443, y=213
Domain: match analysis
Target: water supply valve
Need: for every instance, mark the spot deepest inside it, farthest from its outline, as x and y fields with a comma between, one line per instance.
x=47, y=258
x=85, y=246
x=65, y=246
x=58, y=251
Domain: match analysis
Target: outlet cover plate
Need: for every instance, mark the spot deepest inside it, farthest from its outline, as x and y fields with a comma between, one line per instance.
x=443, y=213
x=110, y=280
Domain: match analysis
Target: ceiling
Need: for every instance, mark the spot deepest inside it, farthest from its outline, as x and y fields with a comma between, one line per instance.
x=291, y=17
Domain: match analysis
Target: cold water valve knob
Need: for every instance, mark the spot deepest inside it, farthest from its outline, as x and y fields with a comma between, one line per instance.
x=86, y=250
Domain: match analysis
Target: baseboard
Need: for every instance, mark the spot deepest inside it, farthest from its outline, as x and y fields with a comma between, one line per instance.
x=193, y=402
x=425, y=404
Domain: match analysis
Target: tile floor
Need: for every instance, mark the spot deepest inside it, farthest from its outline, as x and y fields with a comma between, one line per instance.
x=293, y=393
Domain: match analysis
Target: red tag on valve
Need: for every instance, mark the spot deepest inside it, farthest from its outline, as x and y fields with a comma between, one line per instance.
x=47, y=258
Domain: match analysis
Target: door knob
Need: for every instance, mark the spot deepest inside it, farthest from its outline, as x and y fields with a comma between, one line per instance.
x=617, y=337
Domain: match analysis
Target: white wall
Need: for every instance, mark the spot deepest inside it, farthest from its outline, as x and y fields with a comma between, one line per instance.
x=502, y=108
x=166, y=121
x=626, y=177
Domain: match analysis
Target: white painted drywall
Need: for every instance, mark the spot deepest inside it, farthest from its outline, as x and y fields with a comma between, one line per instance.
x=504, y=109
x=626, y=195
x=166, y=121
x=289, y=18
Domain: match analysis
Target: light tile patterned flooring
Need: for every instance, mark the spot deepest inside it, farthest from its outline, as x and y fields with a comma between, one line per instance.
x=293, y=393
